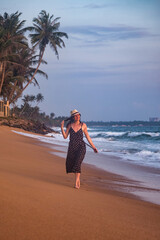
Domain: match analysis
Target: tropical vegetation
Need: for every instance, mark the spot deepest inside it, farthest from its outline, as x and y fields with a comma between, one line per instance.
x=20, y=63
x=30, y=110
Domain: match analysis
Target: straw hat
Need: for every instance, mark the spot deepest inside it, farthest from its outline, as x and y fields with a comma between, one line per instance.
x=74, y=112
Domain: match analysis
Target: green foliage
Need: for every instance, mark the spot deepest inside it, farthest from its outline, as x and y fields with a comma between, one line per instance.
x=17, y=59
x=46, y=31
x=30, y=111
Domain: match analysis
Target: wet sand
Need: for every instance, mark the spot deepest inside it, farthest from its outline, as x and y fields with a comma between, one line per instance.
x=38, y=201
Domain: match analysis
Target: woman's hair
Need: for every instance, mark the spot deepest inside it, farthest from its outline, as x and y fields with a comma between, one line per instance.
x=70, y=121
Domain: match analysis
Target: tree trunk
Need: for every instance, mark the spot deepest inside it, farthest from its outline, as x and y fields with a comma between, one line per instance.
x=12, y=91
x=25, y=104
x=1, y=66
x=3, y=75
x=33, y=111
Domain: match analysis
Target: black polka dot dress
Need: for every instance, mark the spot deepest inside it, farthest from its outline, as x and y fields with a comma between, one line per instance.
x=76, y=151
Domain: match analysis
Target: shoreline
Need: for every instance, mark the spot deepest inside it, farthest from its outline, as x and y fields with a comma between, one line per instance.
x=38, y=200
x=142, y=182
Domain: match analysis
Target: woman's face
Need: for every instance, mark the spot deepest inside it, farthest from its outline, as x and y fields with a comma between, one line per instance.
x=77, y=117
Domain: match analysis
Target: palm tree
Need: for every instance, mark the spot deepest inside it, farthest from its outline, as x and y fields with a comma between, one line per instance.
x=46, y=32
x=23, y=74
x=36, y=113
x=26, y=100
x=16, y=58
x=39, y=98
x=11, y=38
x=52, y=115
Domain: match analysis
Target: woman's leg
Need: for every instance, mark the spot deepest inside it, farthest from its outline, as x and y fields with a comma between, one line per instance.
x=77, y=180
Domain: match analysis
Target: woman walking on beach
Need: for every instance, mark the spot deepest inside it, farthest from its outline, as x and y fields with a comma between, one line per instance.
x=77, y=148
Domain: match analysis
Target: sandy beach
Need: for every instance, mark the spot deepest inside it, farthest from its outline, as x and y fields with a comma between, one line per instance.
x=38, y=201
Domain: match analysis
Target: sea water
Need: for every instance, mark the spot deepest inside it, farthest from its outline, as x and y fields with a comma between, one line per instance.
x=121, y=149
x=139, y=144
x=136, y=144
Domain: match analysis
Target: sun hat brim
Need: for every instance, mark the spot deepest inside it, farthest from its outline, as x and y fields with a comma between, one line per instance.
x=74, y=112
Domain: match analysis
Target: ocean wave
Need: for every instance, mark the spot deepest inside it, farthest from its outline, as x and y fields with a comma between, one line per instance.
x=138, y=152
x=106, y=134
x=147, y=134
x=149, y=154
x=57, y=129
x=126, y=135
x=118, y=135
x=141, y=157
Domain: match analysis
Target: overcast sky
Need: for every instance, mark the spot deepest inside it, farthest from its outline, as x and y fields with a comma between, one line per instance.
x=110, y=68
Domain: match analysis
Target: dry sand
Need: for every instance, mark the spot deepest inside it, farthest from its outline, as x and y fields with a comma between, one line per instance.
x=38, y=201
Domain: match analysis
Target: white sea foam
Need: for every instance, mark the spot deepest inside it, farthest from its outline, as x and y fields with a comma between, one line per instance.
x=121, y=143
x=140, y=153
x=57, y=129
x=115, y=134
x=135, y=134
x=149, y=154
x=151, y=134
x=121, y=134
x=50, y=138
x=106, y=135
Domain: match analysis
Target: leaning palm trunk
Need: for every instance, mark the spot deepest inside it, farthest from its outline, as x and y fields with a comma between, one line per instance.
x=19, y=94
x=25, y=105
x=3, y=74
x=12, y=91
x=1, y=67
x=30, y=115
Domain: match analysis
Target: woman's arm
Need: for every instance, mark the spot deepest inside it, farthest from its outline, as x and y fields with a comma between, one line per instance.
x=65, y=133
x=84, y=128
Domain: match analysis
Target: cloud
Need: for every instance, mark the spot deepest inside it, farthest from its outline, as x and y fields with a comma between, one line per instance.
x=101, y=34
x=96, y=6
x=89, y=6
x=138, y=105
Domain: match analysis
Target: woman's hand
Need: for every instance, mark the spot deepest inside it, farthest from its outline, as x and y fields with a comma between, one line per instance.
x=65, y=133
x=95, y=150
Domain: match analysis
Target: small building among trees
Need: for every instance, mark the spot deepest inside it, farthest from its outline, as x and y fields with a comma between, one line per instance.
x=4, y=109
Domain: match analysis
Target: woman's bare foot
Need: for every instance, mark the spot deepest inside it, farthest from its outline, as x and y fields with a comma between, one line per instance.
x=77, y=184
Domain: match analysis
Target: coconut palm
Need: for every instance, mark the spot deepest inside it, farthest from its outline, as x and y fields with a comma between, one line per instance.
x=11, y=38
x=39, y=98
x=52, y=115
x=26, y=100
x=23, y=74
x=46, y=32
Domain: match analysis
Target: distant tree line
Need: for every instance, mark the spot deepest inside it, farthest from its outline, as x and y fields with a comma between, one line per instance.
x=122, y=123
x=19, y=63
x=30, y=110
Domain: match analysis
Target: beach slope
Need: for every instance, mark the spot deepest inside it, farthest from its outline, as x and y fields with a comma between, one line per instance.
x=38, y=201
